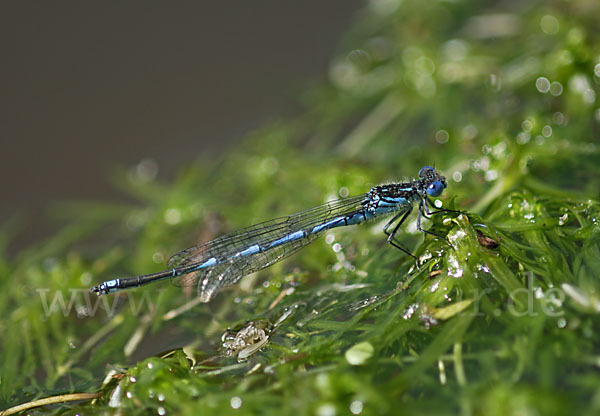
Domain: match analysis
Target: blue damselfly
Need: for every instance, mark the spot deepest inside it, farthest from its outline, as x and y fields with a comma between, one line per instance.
x=226, y=259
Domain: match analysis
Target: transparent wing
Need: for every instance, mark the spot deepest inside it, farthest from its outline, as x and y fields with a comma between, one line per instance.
x=229, y=268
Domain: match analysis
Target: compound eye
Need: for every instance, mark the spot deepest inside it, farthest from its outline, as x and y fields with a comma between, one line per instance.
x=435, y=189
x=424, y=171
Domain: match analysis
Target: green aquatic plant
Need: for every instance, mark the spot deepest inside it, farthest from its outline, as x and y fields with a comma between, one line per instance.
x=502, y=320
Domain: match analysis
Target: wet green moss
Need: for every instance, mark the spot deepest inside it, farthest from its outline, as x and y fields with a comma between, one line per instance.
x=502, y=321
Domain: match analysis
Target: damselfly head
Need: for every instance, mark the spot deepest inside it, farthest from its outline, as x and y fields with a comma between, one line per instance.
x=433, y=182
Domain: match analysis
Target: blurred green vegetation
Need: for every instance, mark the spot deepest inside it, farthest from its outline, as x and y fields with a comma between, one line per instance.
x=501, y=96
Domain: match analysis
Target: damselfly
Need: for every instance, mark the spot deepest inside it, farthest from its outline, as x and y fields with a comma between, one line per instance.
x=226, y=259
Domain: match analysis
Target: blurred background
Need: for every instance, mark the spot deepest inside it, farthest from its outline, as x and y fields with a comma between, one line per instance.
x=88, y=88
x=122, y=121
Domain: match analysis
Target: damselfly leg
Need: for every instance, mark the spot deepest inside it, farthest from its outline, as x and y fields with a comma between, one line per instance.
x=391, y=236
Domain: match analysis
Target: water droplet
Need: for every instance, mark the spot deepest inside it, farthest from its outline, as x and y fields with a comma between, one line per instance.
x=556, y=88
x=549, y=24
x=161, y=411
x=538, y=292
x=359, y=353
x=424, y=66
x=384, y=7
x=469, y=132
x=455, y=49
x=442, y=136
x=499, y=150
x=356, y=407
x=428, y=320
x=247, y=340
x=424, y=257
x=50, y=263
x=575, y=36
x=326, y=409
x=558, y=118
x=579, y=83
x=363, y=303
x=269, y=165
x=491, y=175
x=442, y=370
x=360, y=59
x=344, y=75
x=158, y=258
x=589, y=96
x=409, y=312
x=523, y=137
x=547, y=131
x=484, y=163
x=146, y=170
x=235, y=402
x=542, y=84
x=454, y=268
x=380, y=48
x=424, y=84
x=86, y=278
x=563, y=219
x=172, y=216
x=561, y=323
x=494, y=82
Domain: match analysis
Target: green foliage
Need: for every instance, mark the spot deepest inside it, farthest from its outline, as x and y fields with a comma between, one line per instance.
x=503, y=99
